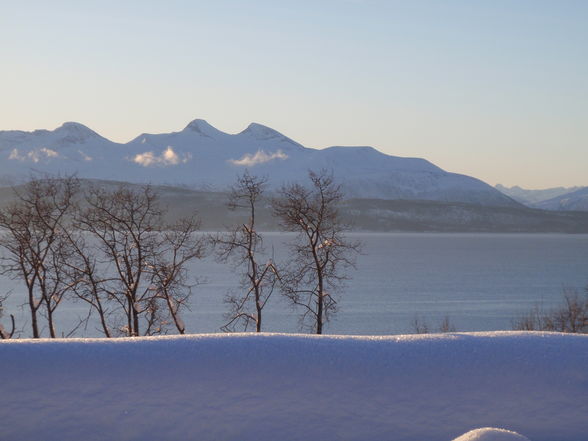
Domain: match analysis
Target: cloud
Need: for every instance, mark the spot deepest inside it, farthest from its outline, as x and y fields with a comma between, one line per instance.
x=49, y=153
x=84, y=156
x=260, y=157
x=33, y=155
x=167, y=157
x=14, y=154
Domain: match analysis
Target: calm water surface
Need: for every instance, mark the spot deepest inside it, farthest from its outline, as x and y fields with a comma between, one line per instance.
x=480, y=281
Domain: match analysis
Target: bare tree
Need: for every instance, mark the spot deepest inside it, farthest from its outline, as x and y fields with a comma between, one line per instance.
x=36, y=246
x=87, y=280
x=241, y=247
x=320, y=255
x=141, y=268
x=124, y=224
x=179, y=245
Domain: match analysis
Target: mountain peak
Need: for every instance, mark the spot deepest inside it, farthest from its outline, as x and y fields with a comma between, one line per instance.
x=72, y=126
x=260, y=130
x=202, y=127
x=264, y=133
x=73, y=132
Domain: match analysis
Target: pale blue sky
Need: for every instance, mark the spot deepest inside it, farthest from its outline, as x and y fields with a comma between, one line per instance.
x=495, y=89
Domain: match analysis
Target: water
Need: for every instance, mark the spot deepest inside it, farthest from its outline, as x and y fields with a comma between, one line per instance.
x=480, y=281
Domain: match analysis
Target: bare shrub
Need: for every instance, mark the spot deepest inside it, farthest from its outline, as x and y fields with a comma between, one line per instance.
x=571, y=316
x=420, y=326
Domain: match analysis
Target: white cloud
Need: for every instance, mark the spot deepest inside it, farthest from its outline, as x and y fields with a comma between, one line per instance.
x=167, y=157
x=49, y=153
x=84, y=156
x=33, y=155
x=170, y=157
x=14, y=154
x=260, y=157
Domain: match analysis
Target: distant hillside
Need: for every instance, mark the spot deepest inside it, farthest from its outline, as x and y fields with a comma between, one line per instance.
x=371, y=214
x=558, y=198
x=573, y=201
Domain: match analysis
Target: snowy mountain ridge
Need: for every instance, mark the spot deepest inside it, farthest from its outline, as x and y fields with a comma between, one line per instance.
x=201, y=156
x=555, y=199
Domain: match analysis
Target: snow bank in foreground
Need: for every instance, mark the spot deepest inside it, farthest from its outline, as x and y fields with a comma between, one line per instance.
x=287, y=387
x=491, y=434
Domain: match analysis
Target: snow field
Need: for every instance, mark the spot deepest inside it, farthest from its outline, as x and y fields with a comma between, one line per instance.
x=278, y=387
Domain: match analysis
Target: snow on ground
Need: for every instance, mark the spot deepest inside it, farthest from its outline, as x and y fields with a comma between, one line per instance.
x=279, y=387
x=491, y=434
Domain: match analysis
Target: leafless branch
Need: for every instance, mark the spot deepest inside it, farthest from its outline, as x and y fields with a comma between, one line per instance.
x=320, y=253
x=241, y=248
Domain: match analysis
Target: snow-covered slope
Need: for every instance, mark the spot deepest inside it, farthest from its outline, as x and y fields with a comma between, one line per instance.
x=70, y=147
x=572, y=201
x=203, y=157
x=554, y=199
x=286, y=387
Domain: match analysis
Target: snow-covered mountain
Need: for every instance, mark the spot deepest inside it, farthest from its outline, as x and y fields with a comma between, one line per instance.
x=532, y=197
x=201, y=156
x=573, y=201
x=558, y=198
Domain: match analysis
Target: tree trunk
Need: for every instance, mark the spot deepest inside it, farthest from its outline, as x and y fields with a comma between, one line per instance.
x=258, y=306
x=35, y=324
x=320, y=299
x=319, y=315
x=130, y=317
x=50, y=322
x=135, y=322
x=102, y=317
x=33, y=308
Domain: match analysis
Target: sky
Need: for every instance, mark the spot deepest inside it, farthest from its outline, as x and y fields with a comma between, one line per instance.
x=494, y=89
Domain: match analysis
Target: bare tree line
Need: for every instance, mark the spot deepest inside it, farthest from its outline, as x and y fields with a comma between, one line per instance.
x=571, y=316
x=35, y=246
x=111, y=250
x=107, y=248
x=421, y=326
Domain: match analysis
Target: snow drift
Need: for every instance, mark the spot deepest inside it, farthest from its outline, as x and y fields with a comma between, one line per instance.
x=293, y=387
x=491, y=434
